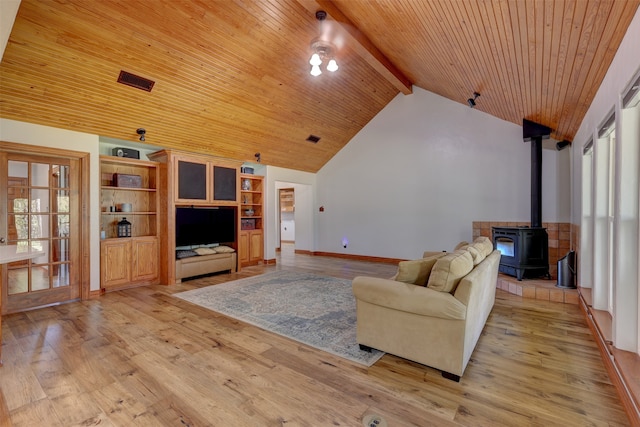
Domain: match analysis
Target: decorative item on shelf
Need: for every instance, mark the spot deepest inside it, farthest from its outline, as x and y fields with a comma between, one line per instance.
x=246, y=184
x=248, y=224
x=125, y=152
x=124, y=228
x=246, y=169
x=125, y=207
x=248, y=212
x=245, y=199
x=129, y=181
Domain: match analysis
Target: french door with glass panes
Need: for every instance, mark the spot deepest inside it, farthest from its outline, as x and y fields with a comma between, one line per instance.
x=42, y=210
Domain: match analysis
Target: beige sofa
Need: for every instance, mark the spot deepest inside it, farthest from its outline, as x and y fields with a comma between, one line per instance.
x=437, y=320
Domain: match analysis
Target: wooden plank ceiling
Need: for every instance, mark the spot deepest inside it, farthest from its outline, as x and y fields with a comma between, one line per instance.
x=232, y=76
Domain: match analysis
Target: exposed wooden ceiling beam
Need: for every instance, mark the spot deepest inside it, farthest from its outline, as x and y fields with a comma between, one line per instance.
x=361, y=44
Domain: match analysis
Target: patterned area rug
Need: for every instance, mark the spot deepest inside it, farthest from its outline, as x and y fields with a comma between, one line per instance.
x=315, y=310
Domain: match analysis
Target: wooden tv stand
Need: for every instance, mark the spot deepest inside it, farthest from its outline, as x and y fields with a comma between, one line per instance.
x=205, y=264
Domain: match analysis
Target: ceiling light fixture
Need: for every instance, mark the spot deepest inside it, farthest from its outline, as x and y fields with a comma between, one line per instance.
x=141, y=132
x=322, y=51
x=472, y=101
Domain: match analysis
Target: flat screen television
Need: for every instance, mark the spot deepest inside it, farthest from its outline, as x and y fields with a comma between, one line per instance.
x=204, y=226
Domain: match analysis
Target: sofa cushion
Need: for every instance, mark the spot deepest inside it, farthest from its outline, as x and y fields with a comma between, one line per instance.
x=485, y=243
x=224, y=249
x=461, y=245
x=449, y=269
x=477, y=253
x=415, y=272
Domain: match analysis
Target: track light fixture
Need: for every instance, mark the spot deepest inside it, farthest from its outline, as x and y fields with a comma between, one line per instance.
x=141, y=132
x=472, y=101
x=322, y=51
x=561, y=145
x=257, y=156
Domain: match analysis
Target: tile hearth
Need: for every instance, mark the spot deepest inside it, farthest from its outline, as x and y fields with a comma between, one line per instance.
x=539, y=289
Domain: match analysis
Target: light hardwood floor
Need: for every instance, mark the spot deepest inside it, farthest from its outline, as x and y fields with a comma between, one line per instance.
x=143, y=357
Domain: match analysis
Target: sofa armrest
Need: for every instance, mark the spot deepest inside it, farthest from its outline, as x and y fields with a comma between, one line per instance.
x=407, y=297
x=484, y=276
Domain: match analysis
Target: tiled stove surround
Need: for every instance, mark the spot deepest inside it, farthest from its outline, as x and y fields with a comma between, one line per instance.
x=539, y=289
x=563, y=236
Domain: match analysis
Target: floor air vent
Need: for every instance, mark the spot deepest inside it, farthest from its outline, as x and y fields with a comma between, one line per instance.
x=313, y=138
x=374, y=420
x=129, y=79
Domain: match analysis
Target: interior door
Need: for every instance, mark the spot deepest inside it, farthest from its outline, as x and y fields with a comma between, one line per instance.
x=41, y=196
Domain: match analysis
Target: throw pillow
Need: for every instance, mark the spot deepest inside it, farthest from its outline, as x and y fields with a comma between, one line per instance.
x=204, y=251
x=415, y=272
x=180, y=254
x=448, y=271
x=486, y=244
x=477, y=253
x=224, y=249
x=432, y=254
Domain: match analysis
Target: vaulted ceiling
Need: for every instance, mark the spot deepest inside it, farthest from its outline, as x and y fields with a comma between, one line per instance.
x=232, y=76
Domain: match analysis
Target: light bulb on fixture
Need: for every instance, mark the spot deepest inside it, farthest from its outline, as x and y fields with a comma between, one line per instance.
x=316, y=71
x=322, y=51
x=315, y=60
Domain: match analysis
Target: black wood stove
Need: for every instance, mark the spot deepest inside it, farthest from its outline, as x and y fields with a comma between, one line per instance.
x=525, y=250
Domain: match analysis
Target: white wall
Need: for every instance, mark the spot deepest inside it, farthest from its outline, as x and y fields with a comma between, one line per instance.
x=27, y=133
x=556, y=185
x=8, y=12
x=421, y=171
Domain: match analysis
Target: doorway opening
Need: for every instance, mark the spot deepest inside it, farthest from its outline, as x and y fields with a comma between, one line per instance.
x=286, y=210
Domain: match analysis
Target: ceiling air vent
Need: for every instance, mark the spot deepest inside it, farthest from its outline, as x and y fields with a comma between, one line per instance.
x=129, y=79
x=313, y=138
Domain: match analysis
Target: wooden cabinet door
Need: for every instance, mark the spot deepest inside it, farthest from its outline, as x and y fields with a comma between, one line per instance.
x=255, y=246
x=192, y=180
x=225, y=183
x=115, y=262
x=243, y=247
x=145, y=259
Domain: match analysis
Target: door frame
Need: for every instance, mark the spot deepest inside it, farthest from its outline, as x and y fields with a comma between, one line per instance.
x=83, y=194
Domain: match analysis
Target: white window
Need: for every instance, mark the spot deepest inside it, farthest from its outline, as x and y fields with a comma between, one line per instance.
x=626, y=325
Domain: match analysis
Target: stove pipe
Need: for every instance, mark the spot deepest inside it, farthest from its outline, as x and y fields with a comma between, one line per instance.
x=535, y=133
x=536, y=182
